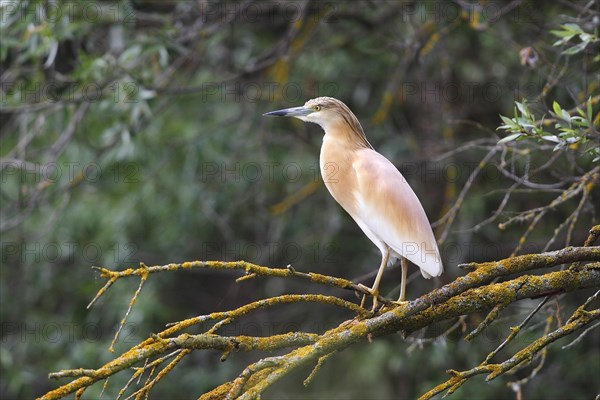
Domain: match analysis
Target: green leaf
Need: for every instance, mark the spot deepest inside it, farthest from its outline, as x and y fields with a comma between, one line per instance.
x=551, y=138
x=558, y=147
x=556, y=107
x=522, y=108
x=573, y=28
x=586, y=37
x=580, y=121
x=508, y=123
x=575, y=49
x=559, y=42
x=563, y=34
x=566, y=132
x=509, y=138
x=525, y=122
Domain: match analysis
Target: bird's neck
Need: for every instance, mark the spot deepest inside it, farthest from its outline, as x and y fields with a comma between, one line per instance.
x=351, y=137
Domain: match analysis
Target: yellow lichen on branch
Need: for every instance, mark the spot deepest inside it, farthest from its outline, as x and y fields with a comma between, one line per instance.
x=525, y=355
x=473, y=292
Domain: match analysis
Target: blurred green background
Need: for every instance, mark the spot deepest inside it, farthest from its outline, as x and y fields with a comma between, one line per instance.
x=132, y=132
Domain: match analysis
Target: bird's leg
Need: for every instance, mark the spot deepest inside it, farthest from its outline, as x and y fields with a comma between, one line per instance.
x=375, y=289
x=364, y=298
x=404, y=264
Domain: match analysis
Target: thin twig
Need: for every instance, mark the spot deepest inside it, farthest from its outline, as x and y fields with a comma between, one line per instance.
x=514, y=331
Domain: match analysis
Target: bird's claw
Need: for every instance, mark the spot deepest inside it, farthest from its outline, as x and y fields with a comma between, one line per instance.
x=363, y=287
x=374, y=293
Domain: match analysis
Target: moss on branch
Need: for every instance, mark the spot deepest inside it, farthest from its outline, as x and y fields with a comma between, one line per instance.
x=468, y=294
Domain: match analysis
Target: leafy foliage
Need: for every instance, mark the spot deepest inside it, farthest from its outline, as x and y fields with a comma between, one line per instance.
x=570, y=31
x=574, y=131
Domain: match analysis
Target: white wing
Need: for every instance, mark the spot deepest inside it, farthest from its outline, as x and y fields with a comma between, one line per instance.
x=388, y=211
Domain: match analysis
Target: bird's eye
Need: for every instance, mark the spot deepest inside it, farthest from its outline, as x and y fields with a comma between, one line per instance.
x=317, y=108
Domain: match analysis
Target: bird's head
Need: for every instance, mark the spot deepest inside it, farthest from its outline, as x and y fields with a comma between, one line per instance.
x=331, y=114
x=322, y=110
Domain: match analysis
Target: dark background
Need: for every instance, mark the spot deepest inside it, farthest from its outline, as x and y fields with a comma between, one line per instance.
x=132, y=132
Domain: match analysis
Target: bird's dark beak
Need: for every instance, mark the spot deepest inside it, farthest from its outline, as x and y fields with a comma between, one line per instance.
x=290, y=112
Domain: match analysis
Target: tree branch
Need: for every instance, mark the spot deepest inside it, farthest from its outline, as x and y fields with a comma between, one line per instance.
x=468, y=294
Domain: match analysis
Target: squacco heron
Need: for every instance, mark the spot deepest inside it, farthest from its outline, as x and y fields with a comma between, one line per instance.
x=370, y=188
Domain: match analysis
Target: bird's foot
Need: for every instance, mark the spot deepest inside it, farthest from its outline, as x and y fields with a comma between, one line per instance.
x=363, y=300
x=374, y=293
x=364, y=297
x=401, y=302
x=375, y=302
